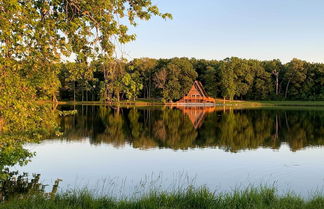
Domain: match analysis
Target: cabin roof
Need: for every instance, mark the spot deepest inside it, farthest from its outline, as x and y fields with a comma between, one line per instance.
x=200, y=88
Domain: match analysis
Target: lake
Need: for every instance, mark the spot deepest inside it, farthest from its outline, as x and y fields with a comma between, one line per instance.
x=131, y=150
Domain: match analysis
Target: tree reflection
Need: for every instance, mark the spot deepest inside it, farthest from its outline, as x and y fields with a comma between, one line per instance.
x=230, y=129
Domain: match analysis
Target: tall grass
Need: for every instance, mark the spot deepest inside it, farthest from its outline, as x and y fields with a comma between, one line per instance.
x=191, y=198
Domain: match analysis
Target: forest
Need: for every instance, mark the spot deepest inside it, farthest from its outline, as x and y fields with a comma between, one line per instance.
x=170, y=79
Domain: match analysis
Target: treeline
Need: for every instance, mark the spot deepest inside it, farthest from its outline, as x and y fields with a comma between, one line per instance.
x=170, y=79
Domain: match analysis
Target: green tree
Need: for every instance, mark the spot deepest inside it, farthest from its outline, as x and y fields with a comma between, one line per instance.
x=132, y=85
x=34, y=35
x=274, y=67
x=228, y=85
x=295, y=75
x=262, y=87
x=175, y=78
x=146, y=68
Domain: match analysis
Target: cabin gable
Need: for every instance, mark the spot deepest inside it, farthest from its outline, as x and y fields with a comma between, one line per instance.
x=196, y=94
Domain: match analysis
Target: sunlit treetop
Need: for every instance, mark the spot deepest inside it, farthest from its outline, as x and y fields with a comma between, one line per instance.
x=49, y=28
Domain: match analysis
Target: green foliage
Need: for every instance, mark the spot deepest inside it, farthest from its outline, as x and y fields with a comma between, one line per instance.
x=132, y=85
x=295, y=75
x=21, y=120
x=211, y=81
x=36, y=36
x=228, y=84
x=146, y=68
x=78, y=80
x=17, y=186
x=175, y=78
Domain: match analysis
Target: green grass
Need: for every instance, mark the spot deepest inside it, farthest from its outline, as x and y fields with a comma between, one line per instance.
x=189, y=199
x=292, y=103
x=272, y=103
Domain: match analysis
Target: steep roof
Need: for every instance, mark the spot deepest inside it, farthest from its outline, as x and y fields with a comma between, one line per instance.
x=200, y=88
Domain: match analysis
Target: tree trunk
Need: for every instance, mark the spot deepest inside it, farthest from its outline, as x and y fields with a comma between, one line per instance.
x=150, y=83
x=118, y=96
x=105, y=85
x=286, y=93
x=82, y=94
x=277, y=127
x=147, y=92
x=286, y=118
x=74, y=92
x=277, y=83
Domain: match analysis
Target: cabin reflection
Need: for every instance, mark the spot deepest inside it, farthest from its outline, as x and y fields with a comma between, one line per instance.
x=196, y=114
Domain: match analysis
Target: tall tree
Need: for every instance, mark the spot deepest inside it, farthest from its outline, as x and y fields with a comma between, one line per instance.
x=34, y=34
x=146, y=68
x=295, y=75
x=275, y=68
x=227, y=79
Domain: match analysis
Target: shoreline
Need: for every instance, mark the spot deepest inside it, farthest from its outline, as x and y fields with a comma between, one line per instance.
x=218, y=103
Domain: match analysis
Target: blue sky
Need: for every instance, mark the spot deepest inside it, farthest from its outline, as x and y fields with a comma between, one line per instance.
x=216, y=29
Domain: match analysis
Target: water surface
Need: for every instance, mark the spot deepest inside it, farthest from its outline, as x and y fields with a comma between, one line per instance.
x=121, y=151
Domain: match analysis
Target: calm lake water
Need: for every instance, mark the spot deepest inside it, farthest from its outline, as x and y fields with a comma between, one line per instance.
x=122, y=151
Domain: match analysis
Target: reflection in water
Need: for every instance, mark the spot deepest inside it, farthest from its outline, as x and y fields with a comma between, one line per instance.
x=196, y=114
x=191, y=127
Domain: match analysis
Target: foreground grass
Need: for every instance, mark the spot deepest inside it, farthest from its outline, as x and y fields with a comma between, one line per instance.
x=190, y=199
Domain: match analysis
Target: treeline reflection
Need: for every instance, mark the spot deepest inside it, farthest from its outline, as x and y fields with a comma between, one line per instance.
x=184, y=128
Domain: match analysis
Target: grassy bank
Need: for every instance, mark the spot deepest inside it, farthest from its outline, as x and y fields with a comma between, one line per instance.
x=291, y=103
x=270, y=103
x=189, y=199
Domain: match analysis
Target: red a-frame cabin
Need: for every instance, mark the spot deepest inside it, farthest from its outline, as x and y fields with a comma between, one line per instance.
x=197, y=94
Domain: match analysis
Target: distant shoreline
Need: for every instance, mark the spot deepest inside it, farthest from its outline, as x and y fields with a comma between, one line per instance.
x=218, y=103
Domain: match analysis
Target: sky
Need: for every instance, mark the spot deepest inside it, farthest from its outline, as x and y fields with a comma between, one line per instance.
x=216, y=29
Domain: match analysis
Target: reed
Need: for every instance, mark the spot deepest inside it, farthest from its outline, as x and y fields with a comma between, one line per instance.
x=190, y=198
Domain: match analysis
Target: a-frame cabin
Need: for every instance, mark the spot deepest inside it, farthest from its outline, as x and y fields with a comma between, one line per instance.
x=197, y=94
